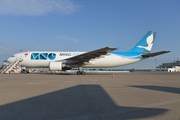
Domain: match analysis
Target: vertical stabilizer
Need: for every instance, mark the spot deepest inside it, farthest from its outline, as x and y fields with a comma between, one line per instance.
x=145, y=44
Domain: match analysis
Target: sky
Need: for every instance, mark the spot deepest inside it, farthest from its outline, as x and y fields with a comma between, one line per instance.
x=86, y=25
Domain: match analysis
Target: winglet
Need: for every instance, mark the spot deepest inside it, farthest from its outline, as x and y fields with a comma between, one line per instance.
x=118, y=48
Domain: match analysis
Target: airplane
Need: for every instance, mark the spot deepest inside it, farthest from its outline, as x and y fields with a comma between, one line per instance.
x=101, y=58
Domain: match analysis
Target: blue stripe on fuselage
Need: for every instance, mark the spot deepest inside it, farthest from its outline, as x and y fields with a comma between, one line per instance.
x=128, y=54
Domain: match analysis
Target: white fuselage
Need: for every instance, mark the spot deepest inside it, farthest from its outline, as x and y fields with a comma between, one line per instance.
x=104, y=61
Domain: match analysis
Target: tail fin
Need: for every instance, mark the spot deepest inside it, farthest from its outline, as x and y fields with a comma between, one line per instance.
x=145, y=44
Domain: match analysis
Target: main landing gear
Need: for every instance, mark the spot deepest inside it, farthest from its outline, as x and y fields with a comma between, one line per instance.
x=80, y=72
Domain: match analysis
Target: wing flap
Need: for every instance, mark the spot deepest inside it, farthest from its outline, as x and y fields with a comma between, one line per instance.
x=154, y=54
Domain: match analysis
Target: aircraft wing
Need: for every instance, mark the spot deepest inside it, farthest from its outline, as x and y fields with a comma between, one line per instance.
x=153, y=54
x=85, y=57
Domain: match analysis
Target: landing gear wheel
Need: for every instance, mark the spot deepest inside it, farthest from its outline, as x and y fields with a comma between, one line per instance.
x=78, y=72
x=81, y=73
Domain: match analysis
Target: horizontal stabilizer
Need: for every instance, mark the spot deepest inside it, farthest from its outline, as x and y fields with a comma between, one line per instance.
x=153, y=54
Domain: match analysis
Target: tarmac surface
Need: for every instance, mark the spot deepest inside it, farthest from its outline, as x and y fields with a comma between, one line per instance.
x=124, y=96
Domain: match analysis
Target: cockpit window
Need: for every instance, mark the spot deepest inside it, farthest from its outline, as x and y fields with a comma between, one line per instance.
x=13, y=56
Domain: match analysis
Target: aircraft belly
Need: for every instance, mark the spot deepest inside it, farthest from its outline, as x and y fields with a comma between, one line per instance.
x=111, y=61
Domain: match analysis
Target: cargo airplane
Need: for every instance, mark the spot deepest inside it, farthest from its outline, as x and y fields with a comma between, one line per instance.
x=101, y=58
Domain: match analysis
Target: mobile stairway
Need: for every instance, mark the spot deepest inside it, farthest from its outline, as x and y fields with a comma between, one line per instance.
x=11, y=66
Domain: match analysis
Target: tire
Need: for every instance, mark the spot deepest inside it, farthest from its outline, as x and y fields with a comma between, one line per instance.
x=83, y=73
x=78, y=73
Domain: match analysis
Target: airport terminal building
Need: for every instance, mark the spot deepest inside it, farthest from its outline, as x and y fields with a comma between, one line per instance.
x=169, y=65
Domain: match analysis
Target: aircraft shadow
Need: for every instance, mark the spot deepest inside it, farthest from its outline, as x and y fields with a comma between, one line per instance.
x=81, y=102
x=160, y=88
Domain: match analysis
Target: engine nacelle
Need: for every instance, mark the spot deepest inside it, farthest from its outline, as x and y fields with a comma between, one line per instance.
x=55, y=66
x=58, y=66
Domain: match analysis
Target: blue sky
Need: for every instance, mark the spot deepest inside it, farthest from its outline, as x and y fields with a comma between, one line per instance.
x=85, y=25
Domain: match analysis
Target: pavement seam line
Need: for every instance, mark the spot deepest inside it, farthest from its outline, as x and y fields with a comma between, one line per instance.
x=90, y=98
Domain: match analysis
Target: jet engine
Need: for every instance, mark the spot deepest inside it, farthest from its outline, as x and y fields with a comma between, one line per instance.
x=55, y=66
x=58, y=66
